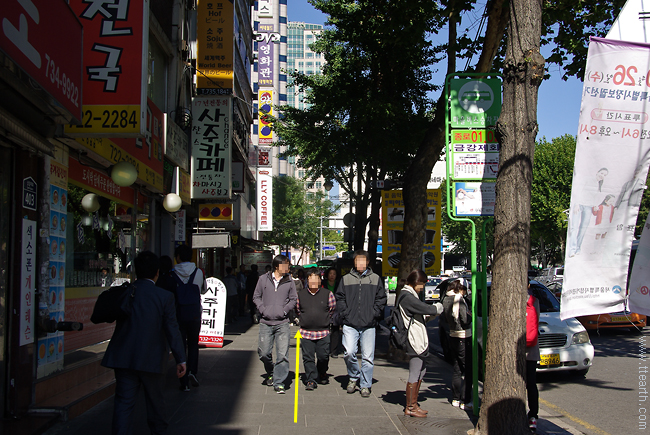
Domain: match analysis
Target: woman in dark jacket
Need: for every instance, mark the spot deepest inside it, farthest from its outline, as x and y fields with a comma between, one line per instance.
x=164, y=278
x=415, y=314
x=459, y=318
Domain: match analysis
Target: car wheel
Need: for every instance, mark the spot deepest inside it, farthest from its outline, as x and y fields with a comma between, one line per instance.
x=581, y=373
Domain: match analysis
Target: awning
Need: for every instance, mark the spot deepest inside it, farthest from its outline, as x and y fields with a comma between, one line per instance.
x=207, y=240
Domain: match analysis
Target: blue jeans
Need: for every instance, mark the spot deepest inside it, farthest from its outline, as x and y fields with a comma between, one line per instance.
x=351, y=338
x=280, y=335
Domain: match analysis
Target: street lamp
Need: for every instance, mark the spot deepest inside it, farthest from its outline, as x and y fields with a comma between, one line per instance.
x=328, y=185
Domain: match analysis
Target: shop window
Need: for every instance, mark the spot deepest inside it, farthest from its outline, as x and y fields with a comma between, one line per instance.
x=157, y=75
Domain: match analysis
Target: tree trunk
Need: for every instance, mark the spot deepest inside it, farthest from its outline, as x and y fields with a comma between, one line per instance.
x=419, y=173
x=503, y=410
x=373, y=230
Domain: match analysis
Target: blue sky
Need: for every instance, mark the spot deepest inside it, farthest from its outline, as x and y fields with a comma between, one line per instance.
x=558, y=107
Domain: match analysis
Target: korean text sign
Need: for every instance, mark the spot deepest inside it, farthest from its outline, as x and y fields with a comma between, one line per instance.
x=610, y=170
x=27, y=282
x=214, y=314
x=27, y=36
x=115, y=47
x=265, y=128
x=475, y=103
x=265, y=63
x=215, y=47
x=211, y=147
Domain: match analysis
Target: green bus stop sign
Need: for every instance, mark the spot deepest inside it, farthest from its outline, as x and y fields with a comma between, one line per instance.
x=474, y=102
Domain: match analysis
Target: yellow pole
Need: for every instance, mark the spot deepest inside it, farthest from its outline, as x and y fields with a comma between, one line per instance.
x=295, y=407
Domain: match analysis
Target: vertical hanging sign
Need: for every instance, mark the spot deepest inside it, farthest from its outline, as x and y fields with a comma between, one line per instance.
x=265, y=99
x=264, y=190
x=265, y=66
x=211, y=148
x=27, y=282
x=214, y=52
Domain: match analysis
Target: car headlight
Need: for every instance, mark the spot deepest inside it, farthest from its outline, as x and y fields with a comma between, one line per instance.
x=580, y=338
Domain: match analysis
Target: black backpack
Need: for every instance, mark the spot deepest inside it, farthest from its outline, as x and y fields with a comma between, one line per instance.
x=399, y=332
x=188, y=298
x=113, y=304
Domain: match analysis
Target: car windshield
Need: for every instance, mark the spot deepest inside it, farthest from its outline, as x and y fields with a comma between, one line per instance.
x=547, y=302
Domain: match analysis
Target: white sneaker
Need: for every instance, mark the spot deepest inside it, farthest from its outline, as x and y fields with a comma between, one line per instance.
x=455, y=403
x=469, y=406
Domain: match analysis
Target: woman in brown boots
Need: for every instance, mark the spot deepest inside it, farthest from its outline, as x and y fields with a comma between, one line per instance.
x=415, y=314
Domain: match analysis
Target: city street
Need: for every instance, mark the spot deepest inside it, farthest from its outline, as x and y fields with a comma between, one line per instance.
x=606, y=400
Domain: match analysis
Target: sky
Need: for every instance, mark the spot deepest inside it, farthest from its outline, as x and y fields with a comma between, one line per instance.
x=558, y=108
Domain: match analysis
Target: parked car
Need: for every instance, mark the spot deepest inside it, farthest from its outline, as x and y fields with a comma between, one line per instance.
x=620, y=319
x=551, y=274
x=564, y=344
x=431, y=291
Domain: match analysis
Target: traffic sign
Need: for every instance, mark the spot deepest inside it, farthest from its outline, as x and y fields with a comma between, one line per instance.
x=329, y=248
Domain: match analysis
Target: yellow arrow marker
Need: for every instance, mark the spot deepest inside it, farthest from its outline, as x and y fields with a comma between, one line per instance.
x=295, y=408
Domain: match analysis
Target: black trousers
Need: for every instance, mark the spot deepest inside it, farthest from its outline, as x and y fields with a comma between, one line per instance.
x=321, y=348
x=127, y=387
x=336, y=340
x=190, y=335
x=531, y=388
x=461, y=352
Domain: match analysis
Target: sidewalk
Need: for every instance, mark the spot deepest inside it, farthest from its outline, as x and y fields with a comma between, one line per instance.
x=232, y=399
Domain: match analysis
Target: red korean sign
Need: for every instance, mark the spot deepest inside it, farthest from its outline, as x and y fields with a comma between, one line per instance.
x=97, y=182
x=115, y=53
x=44, y=38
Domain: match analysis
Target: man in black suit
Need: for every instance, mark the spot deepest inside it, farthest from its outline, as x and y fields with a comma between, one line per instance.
x=138, y=350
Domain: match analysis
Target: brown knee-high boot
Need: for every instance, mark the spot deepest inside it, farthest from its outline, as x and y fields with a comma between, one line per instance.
x=417, y=392
x=411, y=401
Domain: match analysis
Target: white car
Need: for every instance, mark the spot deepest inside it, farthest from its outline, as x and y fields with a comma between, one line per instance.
x=563, y=344
x=431, y=292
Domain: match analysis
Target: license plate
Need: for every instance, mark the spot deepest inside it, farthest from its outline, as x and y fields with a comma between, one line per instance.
x=619, y=319
x=550, y=360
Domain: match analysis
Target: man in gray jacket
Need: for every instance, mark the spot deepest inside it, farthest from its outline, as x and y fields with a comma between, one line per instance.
x=275, y=295
x=360, y=300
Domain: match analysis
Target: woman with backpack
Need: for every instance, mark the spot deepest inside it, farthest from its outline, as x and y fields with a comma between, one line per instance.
x=459, y=318
x=415, y=314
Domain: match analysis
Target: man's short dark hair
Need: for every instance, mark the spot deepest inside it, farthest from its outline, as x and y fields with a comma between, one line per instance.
x=278, y=260
x=147, y=265
x=253, y=267
x=360, y=252
x=228, y=270
x=183, y=252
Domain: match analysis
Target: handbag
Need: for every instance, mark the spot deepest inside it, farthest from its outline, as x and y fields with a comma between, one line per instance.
x=114, y=304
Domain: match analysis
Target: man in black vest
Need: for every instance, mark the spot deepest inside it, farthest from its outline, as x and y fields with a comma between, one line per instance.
x=315, y=307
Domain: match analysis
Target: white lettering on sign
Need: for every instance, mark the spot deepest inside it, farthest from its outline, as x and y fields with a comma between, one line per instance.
x=19, y=36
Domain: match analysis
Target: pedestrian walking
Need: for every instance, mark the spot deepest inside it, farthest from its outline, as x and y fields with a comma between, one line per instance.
x=275, y=295
x=459, y=318
x=416, y=314
x=190, y=285
x=165, y=279
x=315, y=307
x=251, y=283
x=153, y=322
x=232, y=302
x=361, y=299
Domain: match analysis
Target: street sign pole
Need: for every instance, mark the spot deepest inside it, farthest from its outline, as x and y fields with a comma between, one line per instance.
x=474, y=110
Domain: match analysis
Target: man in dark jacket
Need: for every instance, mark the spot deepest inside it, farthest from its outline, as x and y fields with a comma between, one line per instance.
x=152, y=322
x=275, y=295
x=360, y=300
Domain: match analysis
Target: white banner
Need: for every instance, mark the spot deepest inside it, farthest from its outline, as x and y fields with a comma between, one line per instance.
x=264, y=200
x=640, y=276
x=214, y=314
x=611, y=166
x=211, y=147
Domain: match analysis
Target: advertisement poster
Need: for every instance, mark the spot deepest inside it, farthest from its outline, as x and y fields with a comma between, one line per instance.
x=474, y=199
x=265, y=127
x=639, y=283
x=611, y=166
x=393, y=228
x=211, y=148
x=214, y=314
